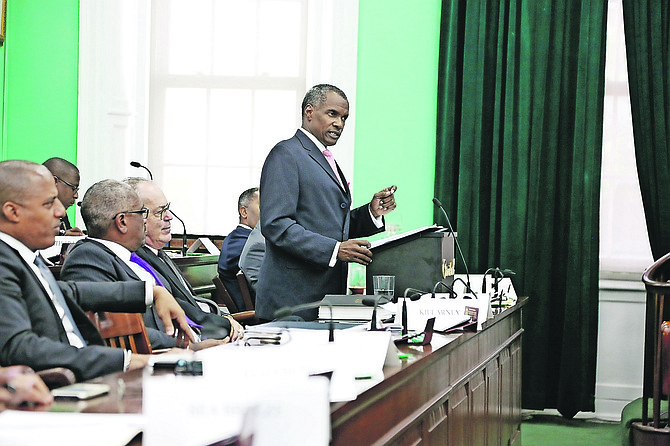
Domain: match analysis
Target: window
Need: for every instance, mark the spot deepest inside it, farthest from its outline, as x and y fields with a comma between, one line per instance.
x=624, y=244
x=201, y=90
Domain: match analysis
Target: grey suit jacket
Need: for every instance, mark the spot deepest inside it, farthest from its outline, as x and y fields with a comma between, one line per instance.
x=31, y=332
x=252, y=256
x=304, y=213
x=183, y=295
x=92, y=261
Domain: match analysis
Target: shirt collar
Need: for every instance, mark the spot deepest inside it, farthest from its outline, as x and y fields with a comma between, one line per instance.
x=152, y=249
x=318, y=143
x=26, y=253
x=121, y=251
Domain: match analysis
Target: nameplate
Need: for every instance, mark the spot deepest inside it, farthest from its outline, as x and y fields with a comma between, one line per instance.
x=447, y=311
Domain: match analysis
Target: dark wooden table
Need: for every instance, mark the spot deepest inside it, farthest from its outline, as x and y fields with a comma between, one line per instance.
x=464, y=391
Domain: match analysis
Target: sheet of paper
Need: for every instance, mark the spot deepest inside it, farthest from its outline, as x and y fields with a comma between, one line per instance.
x=274, y=408
x=24, y=428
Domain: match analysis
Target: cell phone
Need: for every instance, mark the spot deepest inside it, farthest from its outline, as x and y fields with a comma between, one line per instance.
x=81, y=391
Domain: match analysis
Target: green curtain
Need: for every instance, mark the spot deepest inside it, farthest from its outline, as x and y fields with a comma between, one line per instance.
x=520, y=107
x=647, y=29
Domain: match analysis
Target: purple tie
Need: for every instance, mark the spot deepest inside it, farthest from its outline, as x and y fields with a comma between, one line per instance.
x=329, y=156
x=143, y=263
x=140, y=261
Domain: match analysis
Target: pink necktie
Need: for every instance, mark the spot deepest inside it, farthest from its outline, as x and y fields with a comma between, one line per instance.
x=329, y=156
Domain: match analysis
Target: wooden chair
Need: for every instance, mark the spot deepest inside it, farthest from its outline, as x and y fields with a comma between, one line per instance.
x=246, y=291
x=123, y=330
x=222, y=297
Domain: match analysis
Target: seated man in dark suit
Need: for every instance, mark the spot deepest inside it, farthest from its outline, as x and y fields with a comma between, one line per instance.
x=231, y=248
x=159, y=234
x=66, y=176
x=115, y=219
x=44, y=323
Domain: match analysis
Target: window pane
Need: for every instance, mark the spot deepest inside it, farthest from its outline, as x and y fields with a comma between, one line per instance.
x=184, y=133
x=279, y=33
x=190, y=37
x=276, y=118
x=235, y=38
x=230, y=127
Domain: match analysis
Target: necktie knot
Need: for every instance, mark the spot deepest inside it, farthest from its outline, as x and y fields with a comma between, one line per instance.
x=328, y=154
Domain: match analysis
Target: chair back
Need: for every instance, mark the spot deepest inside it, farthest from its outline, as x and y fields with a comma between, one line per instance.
x=123, y=330
x=222, y=297
x=247, y=297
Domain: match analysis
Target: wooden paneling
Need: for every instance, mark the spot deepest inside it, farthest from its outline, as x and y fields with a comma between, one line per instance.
x=458, y=392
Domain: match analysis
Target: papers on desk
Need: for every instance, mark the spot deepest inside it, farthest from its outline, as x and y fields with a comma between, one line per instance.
x=23, y=428
x=268, y=389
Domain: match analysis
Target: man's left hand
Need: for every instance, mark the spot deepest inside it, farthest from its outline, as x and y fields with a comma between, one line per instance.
x=383, y=201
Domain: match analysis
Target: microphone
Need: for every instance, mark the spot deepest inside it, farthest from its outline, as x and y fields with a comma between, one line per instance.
x=495, y=273
x=458, y=245
x=288, y=311
x=372, y=302
x=452, y=293
x=416, y=295
x=183, y=236
x=136, y=164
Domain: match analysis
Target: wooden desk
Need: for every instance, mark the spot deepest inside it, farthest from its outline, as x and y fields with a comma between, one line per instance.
x=464, y=392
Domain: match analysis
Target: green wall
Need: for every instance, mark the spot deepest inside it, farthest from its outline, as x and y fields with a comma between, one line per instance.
x=396, y=111
x=40, y=80
x=396, y=95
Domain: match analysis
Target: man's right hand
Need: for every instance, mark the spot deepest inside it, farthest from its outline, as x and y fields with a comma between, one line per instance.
x=355, y=251
x=169, y=310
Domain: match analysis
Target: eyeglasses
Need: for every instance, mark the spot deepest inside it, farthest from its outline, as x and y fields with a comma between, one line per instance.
x=160, y=213
x=144, y=212
x=72, y=186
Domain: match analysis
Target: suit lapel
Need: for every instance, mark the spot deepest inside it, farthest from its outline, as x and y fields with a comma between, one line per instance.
x=320, y=159
x=86, y=327
x=164, y=270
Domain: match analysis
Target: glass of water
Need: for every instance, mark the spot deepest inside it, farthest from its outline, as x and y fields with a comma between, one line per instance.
x=383, y=285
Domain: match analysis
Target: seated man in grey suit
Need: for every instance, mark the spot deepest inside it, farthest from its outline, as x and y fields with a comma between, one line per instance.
x=159, y=233
x=115, y=220
x=44, y=323
x=252, y=256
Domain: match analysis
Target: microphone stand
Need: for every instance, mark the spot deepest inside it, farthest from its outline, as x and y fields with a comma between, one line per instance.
x=458, y=245
x=452, y=293
x=372, y=302
x=183, y=236
x=136, y=164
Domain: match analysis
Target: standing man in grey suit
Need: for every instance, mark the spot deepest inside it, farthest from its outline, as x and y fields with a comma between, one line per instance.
x=159, y=233
x=43, y=321
x=306, y=214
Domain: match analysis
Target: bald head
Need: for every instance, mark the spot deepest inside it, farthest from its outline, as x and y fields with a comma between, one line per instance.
x=17, y=178
x=31, y=211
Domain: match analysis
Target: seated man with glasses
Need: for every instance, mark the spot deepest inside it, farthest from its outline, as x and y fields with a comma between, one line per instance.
x=159, y=234
x=66, y=176
x=115, y=219
x=44, y=322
